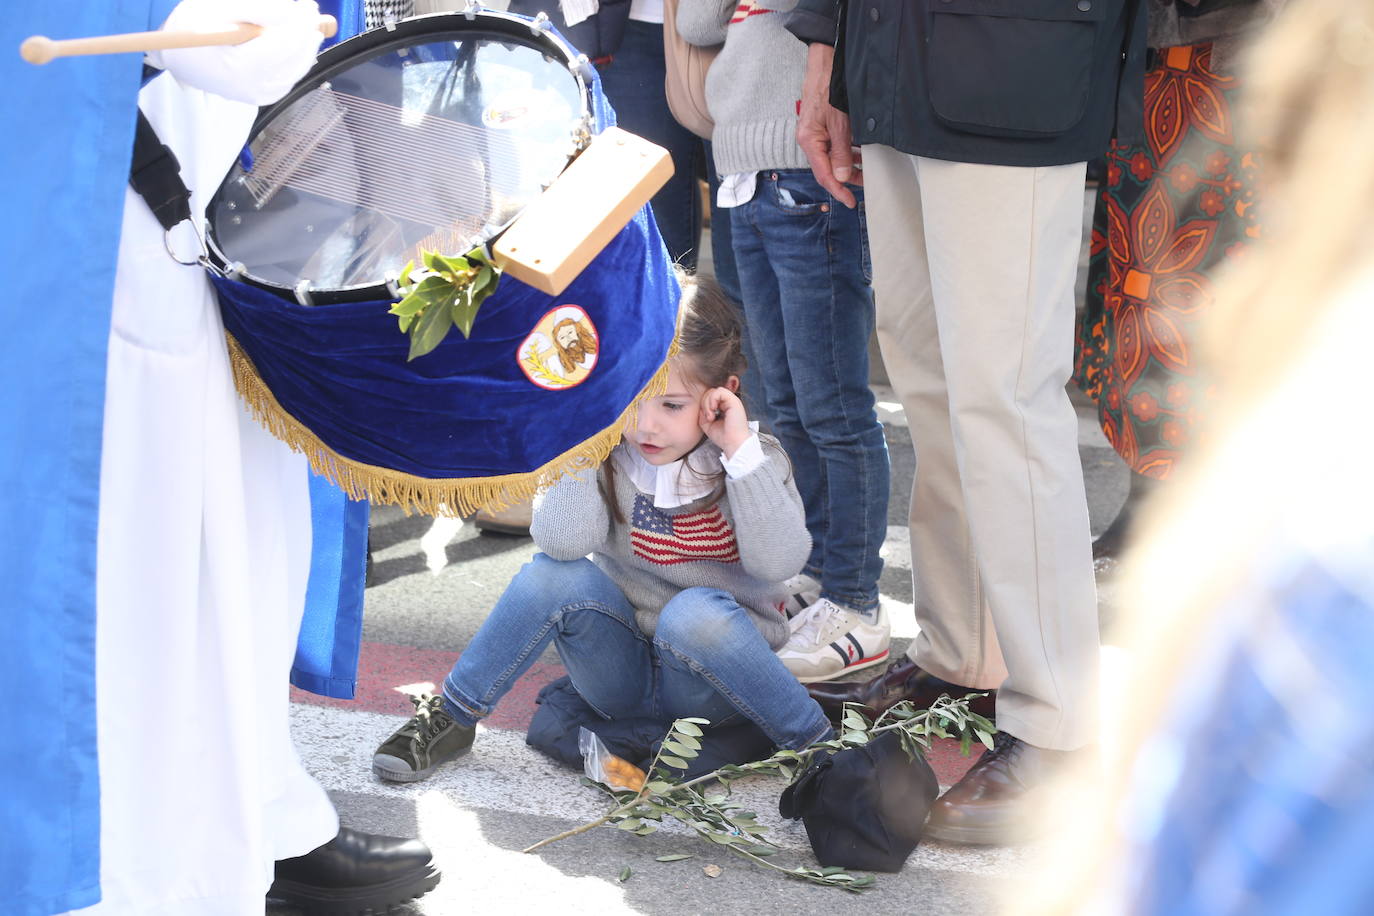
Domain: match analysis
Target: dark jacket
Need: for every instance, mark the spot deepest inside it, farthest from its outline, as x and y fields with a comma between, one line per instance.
x=562, y=713
x=1003, y=82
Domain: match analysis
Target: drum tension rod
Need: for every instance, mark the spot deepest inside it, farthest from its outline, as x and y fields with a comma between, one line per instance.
x=585, y=68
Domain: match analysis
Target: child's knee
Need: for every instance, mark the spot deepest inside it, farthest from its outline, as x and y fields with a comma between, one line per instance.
x=543, y=569
x=698, y=621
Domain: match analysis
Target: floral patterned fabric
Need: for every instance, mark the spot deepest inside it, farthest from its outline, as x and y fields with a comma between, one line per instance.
x=1169, y=216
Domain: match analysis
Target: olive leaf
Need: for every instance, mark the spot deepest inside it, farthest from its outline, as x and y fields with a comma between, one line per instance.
x=714, y=818
x=445, y=292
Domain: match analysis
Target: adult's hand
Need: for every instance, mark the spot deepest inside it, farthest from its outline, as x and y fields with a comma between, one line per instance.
x=823, y=130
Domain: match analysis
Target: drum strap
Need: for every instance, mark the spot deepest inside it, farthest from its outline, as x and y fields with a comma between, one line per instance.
x=156, y=176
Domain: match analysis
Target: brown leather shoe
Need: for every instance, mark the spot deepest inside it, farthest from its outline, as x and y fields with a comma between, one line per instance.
x=997, y=800
x=902, y=680
x=513, y=520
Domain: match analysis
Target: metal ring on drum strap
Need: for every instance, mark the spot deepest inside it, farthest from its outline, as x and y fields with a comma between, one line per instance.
x=200, y=260
x=155, y=175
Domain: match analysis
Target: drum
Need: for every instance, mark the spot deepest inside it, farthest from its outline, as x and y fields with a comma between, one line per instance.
x=432, y=135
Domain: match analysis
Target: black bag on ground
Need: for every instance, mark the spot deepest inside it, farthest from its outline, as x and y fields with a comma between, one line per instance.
x=865, y=807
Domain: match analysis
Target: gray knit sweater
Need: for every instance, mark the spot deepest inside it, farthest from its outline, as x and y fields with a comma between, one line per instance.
x=747, y=543
x=753, y=87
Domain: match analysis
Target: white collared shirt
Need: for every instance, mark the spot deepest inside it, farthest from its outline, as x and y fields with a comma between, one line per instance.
x=670, y=486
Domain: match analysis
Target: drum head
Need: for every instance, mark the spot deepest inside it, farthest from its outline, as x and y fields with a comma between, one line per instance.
x=434, y=135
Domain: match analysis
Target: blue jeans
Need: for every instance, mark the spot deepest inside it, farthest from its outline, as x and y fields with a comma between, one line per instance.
x=706, y=659
x=727, y=276
x=633, y=82
x=804, y=274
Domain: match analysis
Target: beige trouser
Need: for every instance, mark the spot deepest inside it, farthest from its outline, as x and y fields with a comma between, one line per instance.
x=973, y=272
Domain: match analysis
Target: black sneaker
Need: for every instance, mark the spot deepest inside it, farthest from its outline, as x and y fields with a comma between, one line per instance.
x=429, y=739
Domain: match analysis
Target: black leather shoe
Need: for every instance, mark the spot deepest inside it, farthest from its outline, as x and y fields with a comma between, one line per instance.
x=356, y=873
x=902, y=680
x=999, y=799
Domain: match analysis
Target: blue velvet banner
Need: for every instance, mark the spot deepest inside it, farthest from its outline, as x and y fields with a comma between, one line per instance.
x=469, y=409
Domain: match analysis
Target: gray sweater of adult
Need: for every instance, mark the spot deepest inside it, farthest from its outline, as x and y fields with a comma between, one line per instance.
x=753, y=86
x=764, y=514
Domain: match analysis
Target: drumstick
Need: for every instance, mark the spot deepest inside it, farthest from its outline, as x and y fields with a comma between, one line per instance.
x=40, y=49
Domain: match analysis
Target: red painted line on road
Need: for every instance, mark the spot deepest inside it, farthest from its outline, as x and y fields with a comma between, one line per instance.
x=382, y=668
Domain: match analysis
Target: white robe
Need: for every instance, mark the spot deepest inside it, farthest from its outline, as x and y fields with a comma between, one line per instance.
x=203, y=556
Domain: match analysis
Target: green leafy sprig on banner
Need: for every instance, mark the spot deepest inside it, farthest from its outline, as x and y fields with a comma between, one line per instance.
x=445, y=292
x=704, y=805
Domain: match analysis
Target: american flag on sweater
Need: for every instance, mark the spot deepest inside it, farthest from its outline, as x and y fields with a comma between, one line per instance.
x=749, y=8
x=659, y=537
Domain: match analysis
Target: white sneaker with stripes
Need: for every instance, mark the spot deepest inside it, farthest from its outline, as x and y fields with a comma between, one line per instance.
x=802, y=592
x=829, y=640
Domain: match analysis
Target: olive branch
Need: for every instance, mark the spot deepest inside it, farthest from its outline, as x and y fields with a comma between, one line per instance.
x=540, y=366
x=445, y=292
x=711, y=814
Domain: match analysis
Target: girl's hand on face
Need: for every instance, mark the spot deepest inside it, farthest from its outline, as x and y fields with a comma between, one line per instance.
x=723, y=419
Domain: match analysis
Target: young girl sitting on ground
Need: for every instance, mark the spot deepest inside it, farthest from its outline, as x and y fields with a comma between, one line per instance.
x=691, y=524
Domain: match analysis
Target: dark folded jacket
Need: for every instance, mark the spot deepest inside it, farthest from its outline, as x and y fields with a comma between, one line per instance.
x=562, y=711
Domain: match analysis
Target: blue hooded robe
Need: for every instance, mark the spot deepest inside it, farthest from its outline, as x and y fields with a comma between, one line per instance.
x=71, y=128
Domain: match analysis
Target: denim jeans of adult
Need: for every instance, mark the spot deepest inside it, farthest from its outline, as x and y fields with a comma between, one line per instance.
x=633, y=82
x=803, y=270
x=727, y=276
x=705, y=659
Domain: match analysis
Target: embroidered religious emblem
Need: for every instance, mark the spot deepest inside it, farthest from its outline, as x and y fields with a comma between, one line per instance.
x=659, y=537
x=561, y=351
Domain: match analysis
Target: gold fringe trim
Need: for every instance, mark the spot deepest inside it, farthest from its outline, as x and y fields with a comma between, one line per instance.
x=451, y=496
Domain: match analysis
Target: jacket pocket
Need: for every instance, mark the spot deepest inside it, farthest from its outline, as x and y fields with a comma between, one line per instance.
x=1012, y=68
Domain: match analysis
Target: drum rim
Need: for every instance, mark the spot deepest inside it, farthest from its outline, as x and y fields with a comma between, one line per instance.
x=536, y=32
